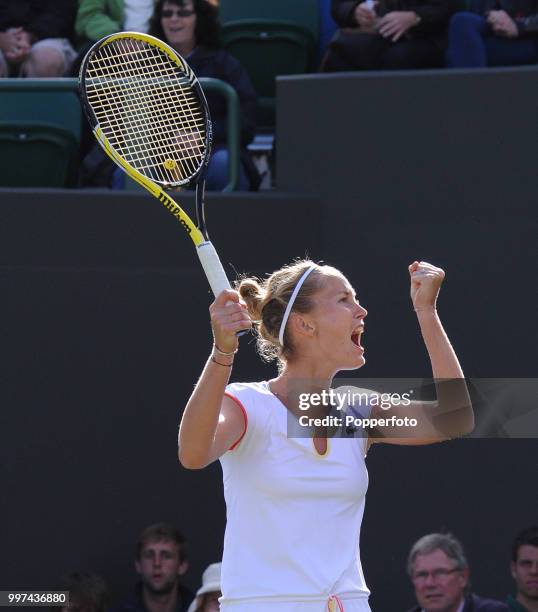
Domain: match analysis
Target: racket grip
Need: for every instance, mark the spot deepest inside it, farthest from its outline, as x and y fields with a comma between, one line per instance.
x=213, y=268
x=215, y=272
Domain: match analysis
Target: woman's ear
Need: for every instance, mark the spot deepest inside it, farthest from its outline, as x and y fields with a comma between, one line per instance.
x=301, y=324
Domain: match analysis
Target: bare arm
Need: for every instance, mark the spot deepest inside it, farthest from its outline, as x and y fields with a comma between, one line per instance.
x=212, y=422
x=452, y=414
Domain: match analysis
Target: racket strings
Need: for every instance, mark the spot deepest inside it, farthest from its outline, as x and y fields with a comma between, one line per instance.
x=185, y=104
x=155, y=123
x=122, y=129
x=160, y=121
x=191, y=147
x=147, y=108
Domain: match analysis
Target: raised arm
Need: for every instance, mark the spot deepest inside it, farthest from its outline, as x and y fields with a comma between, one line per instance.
x=452, y=414
x=212, y=422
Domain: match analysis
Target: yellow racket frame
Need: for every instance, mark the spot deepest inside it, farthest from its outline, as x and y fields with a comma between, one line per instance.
x=204, y=248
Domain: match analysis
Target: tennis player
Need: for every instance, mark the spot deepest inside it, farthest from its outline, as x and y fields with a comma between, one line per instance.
x=295, y=504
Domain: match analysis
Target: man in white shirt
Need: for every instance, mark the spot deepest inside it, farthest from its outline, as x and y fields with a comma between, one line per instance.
x=137, y=15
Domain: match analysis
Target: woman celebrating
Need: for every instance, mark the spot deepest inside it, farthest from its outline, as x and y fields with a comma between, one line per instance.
x=191, y=27
x=295, y=505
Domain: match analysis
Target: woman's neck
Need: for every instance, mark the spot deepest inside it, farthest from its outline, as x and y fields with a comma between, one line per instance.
x=297, y=383
x=313, y=375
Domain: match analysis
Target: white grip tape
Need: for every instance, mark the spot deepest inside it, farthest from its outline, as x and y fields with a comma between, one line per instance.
x=213, y=268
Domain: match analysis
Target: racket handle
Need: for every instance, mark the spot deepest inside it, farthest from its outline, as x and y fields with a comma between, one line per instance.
x=213, y=268
x=215, y=272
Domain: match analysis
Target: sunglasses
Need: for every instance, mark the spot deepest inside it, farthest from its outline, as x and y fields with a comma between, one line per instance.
x=167, y=13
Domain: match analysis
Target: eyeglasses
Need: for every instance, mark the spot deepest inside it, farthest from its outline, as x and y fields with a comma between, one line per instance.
x=167, y=13
x=437, y=574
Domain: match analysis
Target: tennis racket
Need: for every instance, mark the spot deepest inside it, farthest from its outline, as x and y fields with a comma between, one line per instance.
x=149, y=113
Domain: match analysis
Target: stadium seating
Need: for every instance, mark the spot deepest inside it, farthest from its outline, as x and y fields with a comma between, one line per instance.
x=40, y=128
x=233, y=128
x=270, y=39
x=268, y=48
x=40, y=131
x=37, y=154
x=303, y=13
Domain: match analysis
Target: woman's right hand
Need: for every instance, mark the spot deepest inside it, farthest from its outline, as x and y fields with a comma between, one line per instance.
x=229, y=315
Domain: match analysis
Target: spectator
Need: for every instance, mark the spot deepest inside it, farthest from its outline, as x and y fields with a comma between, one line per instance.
x=98, y=18
x=495, y=33
x=160, y=562
x=440, y=574
x=191, y=27
x=34, y=37
x=524, y=569
x=87, y=593
x=388, y=35
x=207, y=596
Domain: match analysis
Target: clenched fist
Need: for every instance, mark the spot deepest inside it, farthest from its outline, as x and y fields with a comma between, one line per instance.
x=426, y=280
x=228, y=316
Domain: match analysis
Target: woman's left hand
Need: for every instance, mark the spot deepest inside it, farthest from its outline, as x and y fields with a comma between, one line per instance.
x=426, y=280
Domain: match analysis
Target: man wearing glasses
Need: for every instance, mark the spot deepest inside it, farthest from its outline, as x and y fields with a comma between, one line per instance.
x=440, y=574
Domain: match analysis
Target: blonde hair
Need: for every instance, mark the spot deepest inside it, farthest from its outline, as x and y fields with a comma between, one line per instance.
x=267, y=299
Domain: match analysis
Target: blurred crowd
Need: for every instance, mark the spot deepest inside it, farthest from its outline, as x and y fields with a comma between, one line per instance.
x=49, y=38
x=412, y=34
x=41, y=38
x=436, y=566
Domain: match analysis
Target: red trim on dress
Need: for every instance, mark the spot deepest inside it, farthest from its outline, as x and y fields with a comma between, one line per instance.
x=245, y=416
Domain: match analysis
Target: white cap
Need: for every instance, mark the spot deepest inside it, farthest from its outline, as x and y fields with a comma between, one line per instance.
x=210, y=584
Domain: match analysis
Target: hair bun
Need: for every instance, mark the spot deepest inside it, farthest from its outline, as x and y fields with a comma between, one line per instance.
x=251, y=292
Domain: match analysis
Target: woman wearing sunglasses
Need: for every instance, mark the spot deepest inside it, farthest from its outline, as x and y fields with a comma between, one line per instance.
x=192, y=28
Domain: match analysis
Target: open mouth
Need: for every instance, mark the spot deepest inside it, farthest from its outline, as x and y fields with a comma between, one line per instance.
x=356, y=337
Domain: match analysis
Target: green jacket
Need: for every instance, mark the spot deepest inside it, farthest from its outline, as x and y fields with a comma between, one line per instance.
x=98, y=18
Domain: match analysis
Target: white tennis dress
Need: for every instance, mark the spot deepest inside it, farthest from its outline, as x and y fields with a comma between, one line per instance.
x=293, y=515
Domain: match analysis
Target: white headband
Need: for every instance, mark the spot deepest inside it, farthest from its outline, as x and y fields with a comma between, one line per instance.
x=290, y=304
